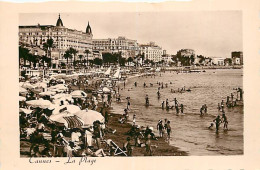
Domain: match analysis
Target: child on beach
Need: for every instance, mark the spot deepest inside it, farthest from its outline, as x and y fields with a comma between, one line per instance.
x=134, y=116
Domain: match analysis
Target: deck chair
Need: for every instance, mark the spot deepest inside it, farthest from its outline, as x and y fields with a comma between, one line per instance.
x=118, y=150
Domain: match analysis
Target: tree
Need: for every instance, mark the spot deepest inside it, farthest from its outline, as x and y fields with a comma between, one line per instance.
x=23, y=54
x=87, y=52
x=110, y=58
x=73, y=52
x=67, y=56
x=80, y=58
x=98, y=61
x=47, y=47
x=91, y=62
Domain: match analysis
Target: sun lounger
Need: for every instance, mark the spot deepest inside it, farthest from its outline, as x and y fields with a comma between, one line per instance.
x=118, y=150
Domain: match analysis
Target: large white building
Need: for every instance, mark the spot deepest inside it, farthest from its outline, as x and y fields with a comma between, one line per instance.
x=151, y=51
x=34, y=36
x=218, y=61
x=127, y=47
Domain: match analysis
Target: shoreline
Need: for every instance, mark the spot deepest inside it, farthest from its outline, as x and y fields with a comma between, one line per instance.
x=119, y=137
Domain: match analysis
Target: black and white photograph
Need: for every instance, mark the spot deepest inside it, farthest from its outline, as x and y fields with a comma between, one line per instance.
x=131, y=84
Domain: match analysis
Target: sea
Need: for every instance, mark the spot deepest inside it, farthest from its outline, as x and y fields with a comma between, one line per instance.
x=190, y=131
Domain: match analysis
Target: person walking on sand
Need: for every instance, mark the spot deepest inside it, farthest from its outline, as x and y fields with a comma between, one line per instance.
x=134, y=117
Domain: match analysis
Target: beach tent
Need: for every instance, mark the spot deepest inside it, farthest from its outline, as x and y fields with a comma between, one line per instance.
x=117, y=75
x=89, y=116
x=107, y=73
x=69, y=120
x=78, y=94
x=40, y=103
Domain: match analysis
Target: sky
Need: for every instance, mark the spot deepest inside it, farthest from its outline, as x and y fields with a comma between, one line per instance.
x=209, y=33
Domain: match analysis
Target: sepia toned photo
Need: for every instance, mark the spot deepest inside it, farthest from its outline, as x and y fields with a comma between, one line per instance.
x=131, y=84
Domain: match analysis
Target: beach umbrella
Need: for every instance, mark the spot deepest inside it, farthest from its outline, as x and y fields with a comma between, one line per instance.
x=58, y=88
x=22, y=90
x=78, y=94
x=89, y=116
x=21, y=98
x=47, y=93
x=106, y=90
x=39, y=103
x=58, y=76
x=61, y=81
x=27, y=85
x=26, y=111
x=62, y=96
x=41, y=84
x=69, y=120
x=68, y=108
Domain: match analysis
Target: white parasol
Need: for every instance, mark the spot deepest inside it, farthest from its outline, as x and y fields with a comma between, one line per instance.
x=78, y=94
x=40, y=103
x=89, y=116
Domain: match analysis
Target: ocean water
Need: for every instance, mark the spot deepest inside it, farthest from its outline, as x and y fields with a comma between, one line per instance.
x=189, y=131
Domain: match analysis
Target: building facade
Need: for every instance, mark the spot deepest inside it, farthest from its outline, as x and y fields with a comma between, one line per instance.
x=237, y=57
x=34, y=36
x=151, y=52
x=218, y=61
x=127, y=47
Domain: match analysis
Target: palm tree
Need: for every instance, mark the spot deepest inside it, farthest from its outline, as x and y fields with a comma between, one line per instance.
x=80, y=58
x=47, y=47
x=87, y=52
x=67, y=55
x=74, y=52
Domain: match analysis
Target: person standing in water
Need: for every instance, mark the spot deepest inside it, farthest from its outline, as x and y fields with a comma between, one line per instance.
x=201, y=111
x=182, y=108
x=217, y=122
x=160, y=128
x=219, y=107
x=158, y=94
x=205, y=109
x=167, y=104
x=163, y=105
x=146, y=100
x=224, y=120
x=168, y=130
x=222, y=105
x=175, y=102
